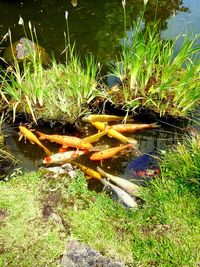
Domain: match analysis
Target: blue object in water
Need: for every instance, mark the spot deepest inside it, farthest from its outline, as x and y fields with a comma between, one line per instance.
x=143, y=167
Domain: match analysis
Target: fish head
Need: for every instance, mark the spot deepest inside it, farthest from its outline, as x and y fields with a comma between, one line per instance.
x=47, y=160
x=87, y=146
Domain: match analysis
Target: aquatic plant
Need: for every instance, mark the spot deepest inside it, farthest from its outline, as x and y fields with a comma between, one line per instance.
x=154, y=76
x=61, y=92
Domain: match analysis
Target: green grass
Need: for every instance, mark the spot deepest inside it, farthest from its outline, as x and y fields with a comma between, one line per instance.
x=62, y=92
x=154, y=76
x=6, y=158
x=27, y=239
x=163, y=232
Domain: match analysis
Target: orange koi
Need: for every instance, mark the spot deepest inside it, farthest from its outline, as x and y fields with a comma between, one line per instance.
x=32, y=138
x=105, y=118
x=113, y=133
x=121, y=128
x=63, y=157
x=90, y=172
x=109, y=153
x=66, y=140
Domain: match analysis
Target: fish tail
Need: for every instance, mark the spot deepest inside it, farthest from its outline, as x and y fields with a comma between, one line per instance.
x=132, y=141
x=47, y=151
x=154, y=125
x=105, y=182
x=42, y=136
x=102, y=172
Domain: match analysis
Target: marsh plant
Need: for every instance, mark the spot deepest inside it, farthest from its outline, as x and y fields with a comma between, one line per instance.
x=154, y=76
x=60, y=92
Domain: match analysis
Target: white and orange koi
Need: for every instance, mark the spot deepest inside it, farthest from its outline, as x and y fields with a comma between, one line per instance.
x=122, y=128
x=113, y=133
x=63, y=157
x=65, y=140
x=32, y=138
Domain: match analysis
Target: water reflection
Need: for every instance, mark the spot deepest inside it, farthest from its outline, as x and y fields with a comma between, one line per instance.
x=96, y=26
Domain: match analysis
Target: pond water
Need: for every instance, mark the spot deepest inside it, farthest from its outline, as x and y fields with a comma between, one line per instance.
x=97, y=27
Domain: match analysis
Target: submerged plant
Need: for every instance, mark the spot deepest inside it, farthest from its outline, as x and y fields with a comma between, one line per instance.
x=152, y=74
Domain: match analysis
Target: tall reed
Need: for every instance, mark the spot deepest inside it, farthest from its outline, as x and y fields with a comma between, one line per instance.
x=153, y=75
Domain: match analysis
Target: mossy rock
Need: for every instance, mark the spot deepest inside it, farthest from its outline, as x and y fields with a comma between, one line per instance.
x=23, y=50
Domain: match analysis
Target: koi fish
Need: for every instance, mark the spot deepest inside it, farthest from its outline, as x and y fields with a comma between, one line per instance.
x=123, y=197
x=126, y=185
x=90, y=172
x=94, y=137
x=113, y=133
x=109, y=153
x=65, y=140
x=32, y=138
x=63, y=157
x=105, y=118
x=121, y=128
x=143, y=167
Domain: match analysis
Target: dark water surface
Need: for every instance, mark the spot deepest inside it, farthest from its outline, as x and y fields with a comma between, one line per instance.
x=97, y=27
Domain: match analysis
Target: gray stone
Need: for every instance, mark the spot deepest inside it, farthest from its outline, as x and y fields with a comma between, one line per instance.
x=81, y=255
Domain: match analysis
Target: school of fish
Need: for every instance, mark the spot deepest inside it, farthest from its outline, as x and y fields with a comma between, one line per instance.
x=73, y=147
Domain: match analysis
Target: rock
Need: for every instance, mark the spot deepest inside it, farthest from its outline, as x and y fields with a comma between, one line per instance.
x=79, y=255
x=22, y=49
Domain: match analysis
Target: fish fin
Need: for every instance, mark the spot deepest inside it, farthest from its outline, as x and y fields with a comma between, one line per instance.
x=41, y=135
x=32, y=143
x=47, y=151
x=20, y=137
x=132, y=141
x=98, y=148
x=155, y=125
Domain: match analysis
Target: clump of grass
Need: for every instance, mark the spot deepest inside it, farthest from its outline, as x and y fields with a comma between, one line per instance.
x=62, y=92
x=153, y=75
x=6, y=158
x=183, y=164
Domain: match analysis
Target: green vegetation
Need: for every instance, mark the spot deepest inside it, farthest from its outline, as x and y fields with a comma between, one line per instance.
x=6, y=159
x=62, y=92
x=154, y=76
x=39, y=212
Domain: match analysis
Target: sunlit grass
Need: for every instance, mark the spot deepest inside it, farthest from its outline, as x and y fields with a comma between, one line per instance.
x=61, y=92
x=154, y=76
x=165, y=227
